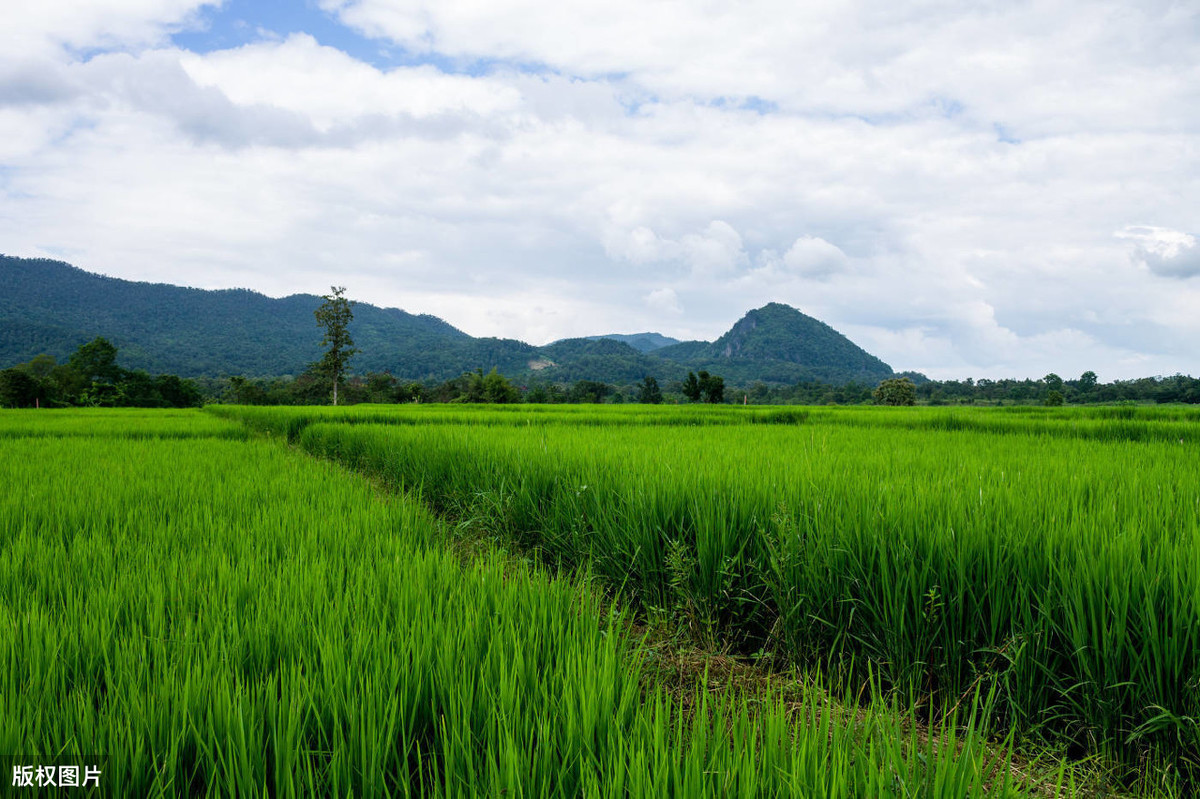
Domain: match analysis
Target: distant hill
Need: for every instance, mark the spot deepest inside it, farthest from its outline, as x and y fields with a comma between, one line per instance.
x=604, y=359
x=642, y=342
x=49, y=306
x=778, y=344
x=52, y=307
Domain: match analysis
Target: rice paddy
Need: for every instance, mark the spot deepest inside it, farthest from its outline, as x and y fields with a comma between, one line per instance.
x=216, y=614
x=1064, y=571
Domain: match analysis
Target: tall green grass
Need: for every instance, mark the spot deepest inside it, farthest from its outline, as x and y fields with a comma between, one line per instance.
x=288, y=422
x=1102, y=423
x=216, y=617
x=1064, y=573
x=1116, y=423
x=117, y=422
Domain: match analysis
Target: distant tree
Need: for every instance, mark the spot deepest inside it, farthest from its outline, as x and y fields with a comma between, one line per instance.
x=102, y=395
x=589, y=391
x=93, y=364
x=691, y=387
x=497, y=388
x=17, y=389
x=712, y=387
x=1053, y=382
x=896, y=391
x=40, y=371
x=177, y=392
x=472, y=387
x=91, y=375
x=138, y=390
x=239, y=389
x=381, y=387
x=1053, y=398
x=648, y=391
x=1087, y=381
x=335, y=315
x=467, y=387
x=41, y=367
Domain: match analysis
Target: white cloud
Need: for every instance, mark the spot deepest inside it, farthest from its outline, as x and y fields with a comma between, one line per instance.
x=332, y=89
x=809, y=256
x=664, y=300
x=41, y=28
x=1034, y=66
x=640, y=245
x=715, y=251
x=1165, y=252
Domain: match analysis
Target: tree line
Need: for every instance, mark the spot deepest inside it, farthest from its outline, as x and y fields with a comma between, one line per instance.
x=92, y=377
x=470, y=387
x=1049, y=390
x=480, y=386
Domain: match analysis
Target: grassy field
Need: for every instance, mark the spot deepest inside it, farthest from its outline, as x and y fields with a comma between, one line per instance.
x=1051, y=557
x=201, y=613
x=1102, y=423
x=129, y=423
x=290, y=422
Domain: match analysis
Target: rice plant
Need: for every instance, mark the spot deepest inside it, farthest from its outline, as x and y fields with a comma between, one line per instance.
x=117, y=422
x=1062, y=571
x=208, y=616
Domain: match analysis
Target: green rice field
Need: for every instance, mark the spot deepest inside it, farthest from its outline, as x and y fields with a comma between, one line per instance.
x=473, y=601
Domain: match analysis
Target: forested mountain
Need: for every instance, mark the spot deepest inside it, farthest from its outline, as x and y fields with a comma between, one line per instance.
x=642, y=342
x=778, y=344
x=603, y=359
x=51, y=307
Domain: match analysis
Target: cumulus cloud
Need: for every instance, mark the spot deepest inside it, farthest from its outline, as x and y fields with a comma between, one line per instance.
x=1165, y=252
x=41, y=29
x=809, y=256
x=714, y=250
x=1030, y=66
x=640, y=245
x=664, y=300
x=812, y=255
x=329, y=87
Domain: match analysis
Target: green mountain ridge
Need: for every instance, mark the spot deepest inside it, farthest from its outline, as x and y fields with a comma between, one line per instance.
x=52, y=307
x=778, y=344
x=642, y=342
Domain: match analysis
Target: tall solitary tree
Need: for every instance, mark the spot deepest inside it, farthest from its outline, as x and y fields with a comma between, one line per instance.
x=335, y=315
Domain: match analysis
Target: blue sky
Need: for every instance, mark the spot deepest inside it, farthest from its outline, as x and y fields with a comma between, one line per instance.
x=978, y=190
x=239, y=22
